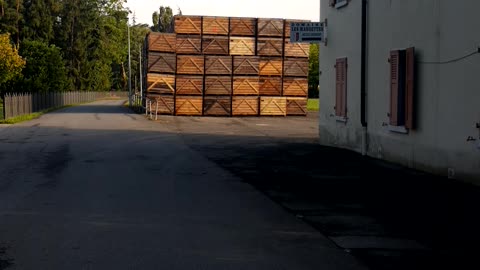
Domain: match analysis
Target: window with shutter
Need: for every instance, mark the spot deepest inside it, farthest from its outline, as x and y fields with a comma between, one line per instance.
x=341, y=87
x=402, y=83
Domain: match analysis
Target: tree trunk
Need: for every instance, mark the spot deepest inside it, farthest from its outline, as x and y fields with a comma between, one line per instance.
x=124, y=76
x=18, y=24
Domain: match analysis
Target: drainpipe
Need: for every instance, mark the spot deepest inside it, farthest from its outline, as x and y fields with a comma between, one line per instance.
x=363, y=80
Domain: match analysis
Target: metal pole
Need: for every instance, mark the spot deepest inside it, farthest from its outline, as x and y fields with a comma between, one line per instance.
x=141, y=78
x=129, y=66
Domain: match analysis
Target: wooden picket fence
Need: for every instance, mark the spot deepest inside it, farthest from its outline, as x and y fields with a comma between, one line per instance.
x=18, y=104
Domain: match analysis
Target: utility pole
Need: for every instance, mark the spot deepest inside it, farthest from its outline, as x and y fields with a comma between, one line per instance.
x=129, y=67
x=141, y=75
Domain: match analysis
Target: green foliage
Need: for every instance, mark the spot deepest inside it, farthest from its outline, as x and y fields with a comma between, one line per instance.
x=12, y=19
x=313, y=105
x=45, y=70
x=39, y=19
x=162, y=20
x=11, y=63
x=313, y=73
x=91, y=35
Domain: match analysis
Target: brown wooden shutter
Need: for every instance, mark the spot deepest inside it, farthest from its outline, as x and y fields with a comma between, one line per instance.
x=394, y=86
x=410, y=88
x=341, y=87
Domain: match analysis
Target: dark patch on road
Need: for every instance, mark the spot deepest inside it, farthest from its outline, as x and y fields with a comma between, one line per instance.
x=5, y=262
x=55, y=162
x=341, y=193
x=130, y=116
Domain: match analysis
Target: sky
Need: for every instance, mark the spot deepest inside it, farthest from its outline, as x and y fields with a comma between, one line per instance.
x=298, y=9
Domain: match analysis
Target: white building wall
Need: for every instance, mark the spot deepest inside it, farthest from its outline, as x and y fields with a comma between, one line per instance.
x=343, y=41
x=448, y=95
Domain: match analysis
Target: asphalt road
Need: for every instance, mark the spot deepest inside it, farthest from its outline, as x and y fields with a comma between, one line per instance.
x=98, y=187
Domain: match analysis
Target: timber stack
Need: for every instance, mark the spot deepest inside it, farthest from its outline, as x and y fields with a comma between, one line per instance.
x=226, y=66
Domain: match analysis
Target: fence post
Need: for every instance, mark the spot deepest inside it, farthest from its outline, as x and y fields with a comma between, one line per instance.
x=6, y=106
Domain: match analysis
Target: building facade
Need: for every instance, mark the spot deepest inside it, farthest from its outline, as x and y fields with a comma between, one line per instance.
x=399, y=81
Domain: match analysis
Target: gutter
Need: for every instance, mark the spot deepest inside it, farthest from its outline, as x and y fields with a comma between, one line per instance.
x=363, y=80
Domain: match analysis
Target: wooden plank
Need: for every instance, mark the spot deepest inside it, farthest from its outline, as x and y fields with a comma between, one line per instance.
x=218, y=85
x=218, y=65
x=268, y=27
x=242, y=46
x=296, y=87
x=216, y=45
x=189, y=85
x=296, y=106
x=189, y=44
x=190, y=64
x=246, y=65
x=188, y=25
x=297, y=67
x=161, y=62
x=242, y=26
x=243, y=85
x=297, y=49
x=275, y=106
x=270, y=66
x=160, y=83
x=188, y=105
x=270, y=86
x=162, y=42
x=217, y=106
x=245, y=106
x=270, y=47
x=162, y=104
x=215, y=25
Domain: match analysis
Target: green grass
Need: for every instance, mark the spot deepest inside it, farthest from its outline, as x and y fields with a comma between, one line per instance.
x=313, y=105
x=28, y=117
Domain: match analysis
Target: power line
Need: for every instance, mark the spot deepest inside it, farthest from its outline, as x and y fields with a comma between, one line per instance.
x=452, y=60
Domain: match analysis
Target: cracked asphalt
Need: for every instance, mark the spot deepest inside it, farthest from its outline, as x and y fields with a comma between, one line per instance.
x=99, y=187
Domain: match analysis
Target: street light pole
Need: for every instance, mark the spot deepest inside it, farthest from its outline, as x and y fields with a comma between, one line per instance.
x=129, y=67
x=141, y=74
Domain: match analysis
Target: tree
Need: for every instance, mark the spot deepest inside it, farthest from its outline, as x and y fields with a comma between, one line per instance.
x=162, y=20
x=11, y=63
x=11, y=20
x=313, y=72
x=45, y=70
x=40, y=17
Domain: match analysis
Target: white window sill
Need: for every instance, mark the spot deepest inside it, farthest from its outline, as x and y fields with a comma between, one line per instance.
x=398, y=129
x=341, y=4
x=341, y=119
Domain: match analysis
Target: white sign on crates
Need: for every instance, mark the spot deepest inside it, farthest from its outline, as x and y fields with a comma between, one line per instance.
x=307, y=32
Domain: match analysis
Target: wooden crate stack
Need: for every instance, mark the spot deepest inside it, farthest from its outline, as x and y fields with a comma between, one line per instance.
x=160, y=71
x=227, y=66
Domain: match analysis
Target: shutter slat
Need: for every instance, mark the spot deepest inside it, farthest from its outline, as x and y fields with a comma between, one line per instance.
x=394, y=85
x=341, y=87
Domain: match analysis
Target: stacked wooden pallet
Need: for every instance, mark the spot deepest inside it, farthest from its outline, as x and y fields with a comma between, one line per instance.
x=227, y=66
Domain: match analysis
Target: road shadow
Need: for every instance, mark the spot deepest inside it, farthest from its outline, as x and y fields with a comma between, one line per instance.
x=342, y=194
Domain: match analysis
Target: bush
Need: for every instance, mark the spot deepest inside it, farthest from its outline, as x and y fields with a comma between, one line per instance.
x=45, y=70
